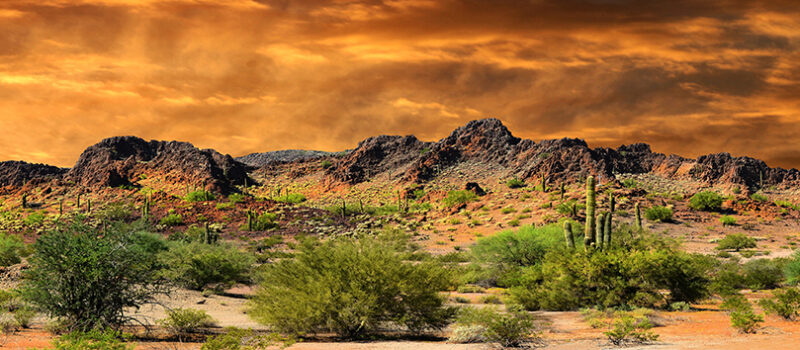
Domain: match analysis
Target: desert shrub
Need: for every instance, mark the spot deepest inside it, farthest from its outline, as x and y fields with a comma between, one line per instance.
x=200, y=196
x=263, y=222
x=510, y=329
x=728, y=279
x=75, y=269
x=727, y=220
x=759, y=197
x=117, y=211
x=470, y=289
x=680, y=306
x=508, y=251
x=374, y=285
x=784, y=303
x=736, y=241
x=34, y=219
x=628, y=329
x=743, y=318
x=459, y=197
x=241, y=339
x=515, y=183
x=658, y=213
x=172, y=220
x=225, y=206
x=706, y=201
x=763, y=273
x=629, y=183
x=12, y=249
x=570, y=208
x=617, y=277
x=792, y=269
x=92, y=340
x=198, y=266
x=182, y=321
x=23, y=316
x=293, y=198
x=236, y=198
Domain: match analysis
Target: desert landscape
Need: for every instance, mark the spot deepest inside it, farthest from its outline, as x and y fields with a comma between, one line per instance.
x=498, y=223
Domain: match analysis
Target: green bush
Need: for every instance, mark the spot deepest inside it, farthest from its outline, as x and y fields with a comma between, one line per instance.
x=34, y=219
x=617, y=277
x=727, y=220
x=792, y=269
x=265, y=221
x=373, y=285
x=743, y=318
x=628, y=329
x=510, y=329
x=117, y=211
x=706, y=201
x=236, y=198
x=293, y=198
x=172, y=220
x=326, y=164
x=763, y=273
x=736, y=241
x=199, y=266
x=92, y=340
x=658, y=213
x=182, y=321
x=524, y=247
x=784, y=303
x=74, y=271
x=515, y=183
x=12, y=249
x=759, y=197
x=200, y=196
x=570, y=208
x=240, y=339
x=458, y=198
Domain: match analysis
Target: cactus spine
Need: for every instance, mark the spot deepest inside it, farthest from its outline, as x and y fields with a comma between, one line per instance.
x=568, y=235
x=590, y=214
x=638, y=217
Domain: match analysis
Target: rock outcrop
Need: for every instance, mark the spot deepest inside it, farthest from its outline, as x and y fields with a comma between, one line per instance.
x=17, y=173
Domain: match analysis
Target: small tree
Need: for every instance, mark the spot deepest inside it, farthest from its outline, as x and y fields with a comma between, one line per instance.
x=88, y=277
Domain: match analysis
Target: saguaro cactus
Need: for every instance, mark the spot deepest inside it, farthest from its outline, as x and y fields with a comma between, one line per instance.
x=562, y=191
x=590, y=211
x=607, y=231
x=78, y=202
x=89, y=206
x=61, y=207
x=638, y=217
x=568, y=235
x=24, y=201
x=544, y=184
x=599, y=232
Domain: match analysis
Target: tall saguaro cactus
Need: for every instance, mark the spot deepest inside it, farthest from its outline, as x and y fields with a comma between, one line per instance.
x=599, y=232
x=638, y=217
x=590, y=211
x=568, y=235
x=607, y=231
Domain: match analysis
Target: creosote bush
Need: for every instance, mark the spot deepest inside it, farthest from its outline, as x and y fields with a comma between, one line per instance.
x=706, y=201
x=459, y=197
x=784, y=303
x=736, y=241
x=509, y=329
x=182, y=321
x=373, y=285
x=93, y=340
x=515, y=183
x=246, y=339
x=199, y=196
x=197, y=265
x=658, y=213
x=12, y=249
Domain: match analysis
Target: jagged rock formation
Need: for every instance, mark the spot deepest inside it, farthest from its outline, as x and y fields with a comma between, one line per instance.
x=123, y=160
x=489, y=142
x=259, y=160
x=17, y=173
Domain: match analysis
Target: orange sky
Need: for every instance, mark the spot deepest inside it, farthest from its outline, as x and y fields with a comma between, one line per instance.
x=241, y=76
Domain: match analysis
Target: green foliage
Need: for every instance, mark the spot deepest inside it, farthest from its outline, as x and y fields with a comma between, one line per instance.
x=374, y=285
x=792, y=269
x=628, y=329
x=658, y=213
x=117, y=211
x=784, y=303
x=12, y=249
x=763, y=273
x=746, y=321
x=459, y=197
x=570, y=208
x=293, y=198
x=265, y=221
x=172, y=220
x=200, y=196
x=241, y=339
x=727, y=220
x=74, y=270
x=510, y=329
x=615, y=277
x=706, y=201
x=759, y=197
x=629, y=183
x=182, y=321
x=736, y=241
x=515, y=183
x=326, y=164
x=524, y=247
x=198, y=266
x=34, y=219
x=236, y=198
x=92, y=340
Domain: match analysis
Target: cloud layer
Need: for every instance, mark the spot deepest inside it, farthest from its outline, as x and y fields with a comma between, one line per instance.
x=240, y=76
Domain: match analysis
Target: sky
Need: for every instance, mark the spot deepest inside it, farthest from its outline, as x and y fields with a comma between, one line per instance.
x=242, y=76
